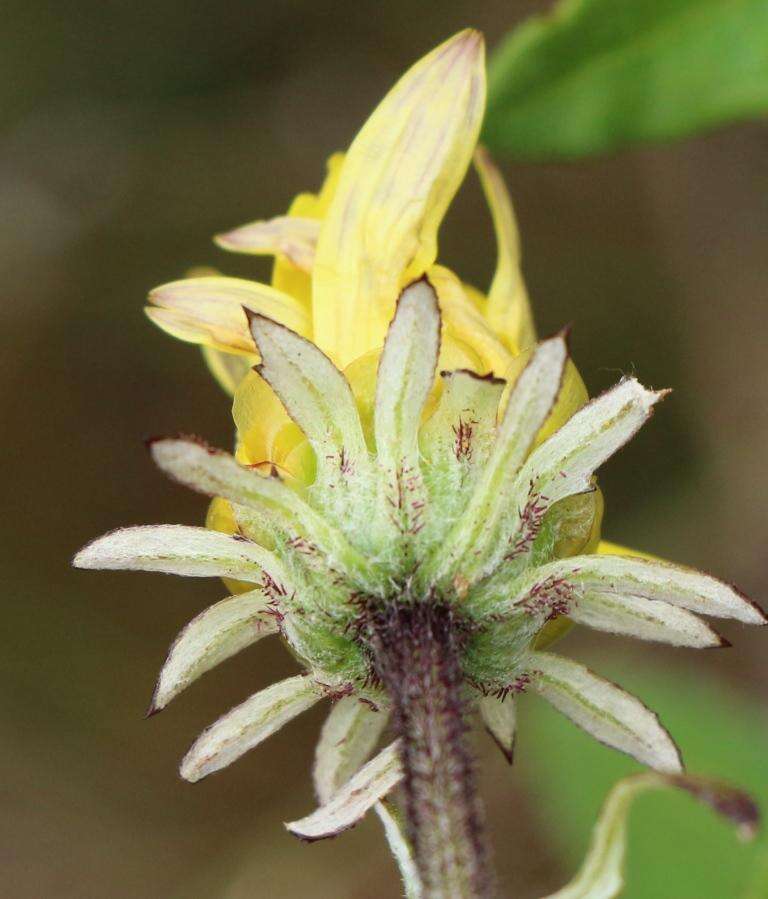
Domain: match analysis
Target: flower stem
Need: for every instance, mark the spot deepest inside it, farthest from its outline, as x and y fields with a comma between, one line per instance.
x=416, y=647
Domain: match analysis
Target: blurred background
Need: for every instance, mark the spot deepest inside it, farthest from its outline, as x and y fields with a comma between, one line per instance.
x=131, y=133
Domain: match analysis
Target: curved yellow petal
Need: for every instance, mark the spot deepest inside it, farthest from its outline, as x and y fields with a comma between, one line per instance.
x=508, y=310
x=606, y=548
x=361, y=375
x=266, y=437
x=209, y=311
x=291, y=236
x=553, y=631
x=399, y=176
x=220, y=517
x=228, y=369
x=479, y=299
x=266, y=434
x=286, y=276
x=581, y=517
x=464, y=325
x=593, y=542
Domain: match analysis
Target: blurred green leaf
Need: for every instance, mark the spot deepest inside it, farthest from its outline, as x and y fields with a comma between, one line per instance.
x=602, y=872
x=676, y=847
x=757, y=887
x=595, y=75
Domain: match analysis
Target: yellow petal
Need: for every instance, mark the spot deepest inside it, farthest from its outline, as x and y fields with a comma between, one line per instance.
x=289, y=235
x=286, y=277
x=573, y=395
x=291, y=238
x=593, y=542
x=266, y=434
x=399, y=176
x=361, y=375
x=221, y=518
x=508, y=310
x=464, y=325
x=479, y=299
x=209, y=311
x=605, y=548
x=553, y=631
x=227, y=368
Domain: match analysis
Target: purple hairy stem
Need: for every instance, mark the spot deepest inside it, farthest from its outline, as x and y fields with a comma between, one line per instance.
x=417, y=657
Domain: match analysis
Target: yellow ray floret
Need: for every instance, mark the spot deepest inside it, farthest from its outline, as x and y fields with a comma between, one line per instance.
x=398, y=178
x=291, y=236
x=209, y=311
x=266, y=435
x=508, y=310
x=465, y=326
x=606, y=548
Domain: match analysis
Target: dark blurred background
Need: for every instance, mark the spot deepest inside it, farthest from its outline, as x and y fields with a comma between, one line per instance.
x=132, y=132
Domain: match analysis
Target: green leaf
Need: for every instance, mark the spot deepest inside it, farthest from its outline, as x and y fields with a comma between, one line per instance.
x=723, y=735
x=758, y=883
x=601, y=875
x=595, y=75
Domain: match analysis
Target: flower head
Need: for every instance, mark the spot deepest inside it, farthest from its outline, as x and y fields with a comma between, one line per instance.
x=403, y=443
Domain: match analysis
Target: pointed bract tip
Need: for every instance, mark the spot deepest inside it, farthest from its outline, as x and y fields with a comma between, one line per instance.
x=753, y=613
x=258, y=318
x=561, y=336
x=565, y=333
x=84, y=558
x=252, y=316
x=152, y=709
x=645, y=395
x=422, y=279
x=255, y=321
x=507, y=751
x=417, y=292
x=258, y=323
x=758, y=616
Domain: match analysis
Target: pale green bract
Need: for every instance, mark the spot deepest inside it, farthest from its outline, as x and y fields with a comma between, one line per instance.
x=456, y=504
